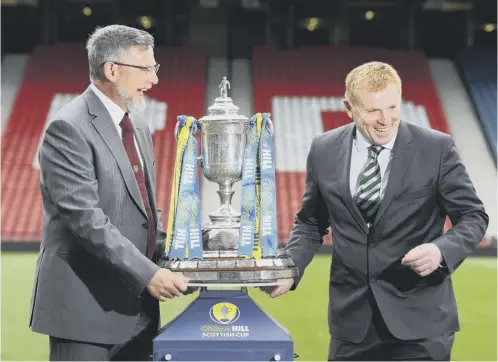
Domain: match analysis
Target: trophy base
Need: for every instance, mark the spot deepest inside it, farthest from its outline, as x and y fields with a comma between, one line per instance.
x=222, y=233
x=220, y=239
x=232, y=285
x=225, y=268
x=220, y=326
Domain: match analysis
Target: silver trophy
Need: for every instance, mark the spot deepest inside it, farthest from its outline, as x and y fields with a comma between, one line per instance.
x=224, y=134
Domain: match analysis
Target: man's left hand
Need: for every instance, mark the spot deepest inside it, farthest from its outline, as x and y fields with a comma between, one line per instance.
x=190, y=290
x=277, y=291
x=423, y=259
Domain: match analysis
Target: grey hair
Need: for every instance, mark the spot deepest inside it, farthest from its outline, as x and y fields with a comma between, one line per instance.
x=107, y=44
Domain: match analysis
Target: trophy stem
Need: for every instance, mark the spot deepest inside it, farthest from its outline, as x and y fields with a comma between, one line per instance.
x=225, y=222
x=225, y=214
x=226, y=192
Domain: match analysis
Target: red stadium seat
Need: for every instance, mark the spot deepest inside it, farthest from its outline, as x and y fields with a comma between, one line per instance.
x=63, y=69
x=303, y=89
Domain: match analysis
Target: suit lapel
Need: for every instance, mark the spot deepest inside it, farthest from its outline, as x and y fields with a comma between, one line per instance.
x=105, y=127
x=402, y=156
x=342, y=172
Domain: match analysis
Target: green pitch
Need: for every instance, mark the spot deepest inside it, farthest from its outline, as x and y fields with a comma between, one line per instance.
x=303, y=312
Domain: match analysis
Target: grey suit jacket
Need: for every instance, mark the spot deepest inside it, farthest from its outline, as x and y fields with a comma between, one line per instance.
x=427, y=182
x=92, y=271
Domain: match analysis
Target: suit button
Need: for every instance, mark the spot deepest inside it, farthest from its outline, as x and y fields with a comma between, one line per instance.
x=145, y=225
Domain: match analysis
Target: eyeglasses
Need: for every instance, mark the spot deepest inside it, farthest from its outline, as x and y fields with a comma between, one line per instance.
x=145, y=69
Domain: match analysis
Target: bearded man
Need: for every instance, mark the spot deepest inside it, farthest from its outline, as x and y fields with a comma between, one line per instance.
x=97, y=282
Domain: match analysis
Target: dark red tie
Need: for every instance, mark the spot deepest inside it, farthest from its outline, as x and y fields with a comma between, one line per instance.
x=131, y=150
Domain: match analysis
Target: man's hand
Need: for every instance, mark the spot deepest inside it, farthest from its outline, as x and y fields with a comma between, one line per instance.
x=166, y=285
x=276, y=291
x=423, y=259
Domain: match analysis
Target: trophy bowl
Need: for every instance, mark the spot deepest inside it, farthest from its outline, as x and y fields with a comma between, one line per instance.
x=224, y=146
x=224, y=138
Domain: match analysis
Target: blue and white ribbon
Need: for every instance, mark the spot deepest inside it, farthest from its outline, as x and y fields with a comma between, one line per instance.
x=258, y=229
x=186, y=233
x=248, y=195
x=268, y=216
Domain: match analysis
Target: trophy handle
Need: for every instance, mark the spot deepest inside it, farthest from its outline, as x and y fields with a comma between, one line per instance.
x=196, y=125
x=200, y=160
x=270, y=123
x=177, y=130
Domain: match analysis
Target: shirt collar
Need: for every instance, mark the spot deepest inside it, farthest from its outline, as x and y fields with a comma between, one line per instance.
x=362, y=142
x=115, y=111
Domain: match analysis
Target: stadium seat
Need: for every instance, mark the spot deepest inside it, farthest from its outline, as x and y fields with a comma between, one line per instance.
x=478, y=69
x=303, y=90
x=54, y=76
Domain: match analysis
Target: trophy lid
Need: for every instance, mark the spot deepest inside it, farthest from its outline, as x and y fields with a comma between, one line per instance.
x=223, y=108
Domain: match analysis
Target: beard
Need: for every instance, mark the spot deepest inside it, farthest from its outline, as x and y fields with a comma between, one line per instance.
x=132, y=106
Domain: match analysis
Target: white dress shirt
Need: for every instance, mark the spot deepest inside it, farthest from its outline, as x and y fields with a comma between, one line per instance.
x=116, y=113
x=359, y=157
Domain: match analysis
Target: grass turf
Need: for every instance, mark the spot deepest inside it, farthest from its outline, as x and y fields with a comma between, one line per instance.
x=303, y=312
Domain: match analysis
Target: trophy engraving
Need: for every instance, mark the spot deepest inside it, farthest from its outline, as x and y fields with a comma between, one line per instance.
x=238, y=246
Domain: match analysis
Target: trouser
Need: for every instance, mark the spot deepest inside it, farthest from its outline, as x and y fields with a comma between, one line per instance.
x=137, y=349
x=380, y=345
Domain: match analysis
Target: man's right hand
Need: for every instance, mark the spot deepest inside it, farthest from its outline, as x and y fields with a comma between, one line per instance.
x=277, y=291
x=166, y=285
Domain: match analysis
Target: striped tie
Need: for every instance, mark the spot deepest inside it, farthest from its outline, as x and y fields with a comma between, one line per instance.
x=368, y=196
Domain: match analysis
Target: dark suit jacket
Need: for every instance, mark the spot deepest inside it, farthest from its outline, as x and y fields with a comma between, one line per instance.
x=92, y=271
x=427, y=182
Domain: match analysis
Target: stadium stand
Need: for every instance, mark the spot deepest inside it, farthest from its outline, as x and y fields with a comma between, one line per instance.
x=54, y=76
x=303, y=89
x=478, y=70
x=13, y=66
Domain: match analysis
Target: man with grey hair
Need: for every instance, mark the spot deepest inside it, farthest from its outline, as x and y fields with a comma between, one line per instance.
x=97, y=281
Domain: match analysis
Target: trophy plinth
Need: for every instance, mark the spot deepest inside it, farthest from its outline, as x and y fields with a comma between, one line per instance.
x=224, y=137
x=225, y=268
